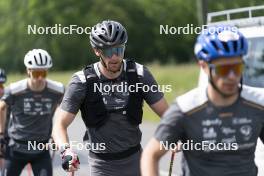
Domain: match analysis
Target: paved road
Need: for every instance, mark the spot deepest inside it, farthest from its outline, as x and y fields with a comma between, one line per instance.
x=77, y=129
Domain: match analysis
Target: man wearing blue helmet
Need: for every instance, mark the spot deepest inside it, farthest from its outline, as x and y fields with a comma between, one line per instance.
x=217, y=127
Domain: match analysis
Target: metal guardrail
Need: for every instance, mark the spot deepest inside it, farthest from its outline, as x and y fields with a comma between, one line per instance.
x=250, y=20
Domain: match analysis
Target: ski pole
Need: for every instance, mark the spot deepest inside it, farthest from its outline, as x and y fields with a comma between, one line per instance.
x=171, y=162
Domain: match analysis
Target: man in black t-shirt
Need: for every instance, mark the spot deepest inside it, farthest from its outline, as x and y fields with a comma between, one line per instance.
x=110, y=95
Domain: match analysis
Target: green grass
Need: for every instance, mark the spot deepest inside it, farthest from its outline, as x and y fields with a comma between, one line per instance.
x=181, y=78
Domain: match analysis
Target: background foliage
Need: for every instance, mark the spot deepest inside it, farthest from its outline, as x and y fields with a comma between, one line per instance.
x=142, y=18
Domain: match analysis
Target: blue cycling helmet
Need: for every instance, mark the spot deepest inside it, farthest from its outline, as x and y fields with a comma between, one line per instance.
x=2, y=76
x=220, y=41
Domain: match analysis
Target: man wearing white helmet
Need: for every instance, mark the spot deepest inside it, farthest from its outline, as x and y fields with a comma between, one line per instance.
x=32, y=103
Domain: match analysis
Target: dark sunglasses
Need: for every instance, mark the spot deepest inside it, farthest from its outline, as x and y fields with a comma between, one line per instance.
x=109, y=52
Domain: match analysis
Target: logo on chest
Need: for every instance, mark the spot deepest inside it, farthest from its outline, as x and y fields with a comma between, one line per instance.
x=228, y=130
x=209, y=133
x=246, y=131
x=34, y=106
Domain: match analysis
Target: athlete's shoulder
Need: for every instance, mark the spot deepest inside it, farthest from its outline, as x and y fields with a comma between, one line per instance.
x=191, y=100
x=55, y=86
x=89, y=71
x=79, y=76
x=18, y=87
x=140, y=68
x=253, y=94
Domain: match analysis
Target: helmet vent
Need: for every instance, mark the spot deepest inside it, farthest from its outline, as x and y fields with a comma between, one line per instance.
x=41, y=62
x=122, y=36
x=96, y=39
x=110, y=29
x=235, y=46
x=116, y=34
x=35, y=59
x=204, y=51
x=225, y=46
x=242, y=44
x=101, y=37
x=215, y=46
x=46, y=59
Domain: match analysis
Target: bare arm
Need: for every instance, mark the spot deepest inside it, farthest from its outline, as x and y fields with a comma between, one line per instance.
x=150, y=158
x=160, y=107
x=3, y=108
x=62, y=120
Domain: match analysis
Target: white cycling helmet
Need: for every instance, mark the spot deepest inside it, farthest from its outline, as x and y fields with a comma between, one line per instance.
x=38, y=59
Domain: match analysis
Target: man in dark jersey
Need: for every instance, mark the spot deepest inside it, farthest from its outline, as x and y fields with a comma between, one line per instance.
x=222, y=122
x=32, y=103
x=113, y=114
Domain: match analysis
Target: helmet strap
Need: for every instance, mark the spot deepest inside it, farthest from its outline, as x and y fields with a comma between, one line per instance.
x=103, y=63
